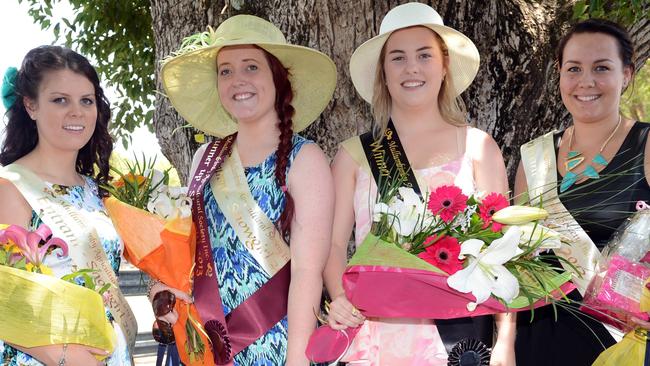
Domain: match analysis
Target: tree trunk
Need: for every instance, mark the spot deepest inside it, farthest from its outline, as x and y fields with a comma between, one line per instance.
x=514, y=97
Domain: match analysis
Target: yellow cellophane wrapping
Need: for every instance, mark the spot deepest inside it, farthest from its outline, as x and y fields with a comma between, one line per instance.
x=645, y=297
x=630, y=351
x=39, y=310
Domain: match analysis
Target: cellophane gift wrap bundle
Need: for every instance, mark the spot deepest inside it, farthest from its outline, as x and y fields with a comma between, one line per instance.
x=618, y=290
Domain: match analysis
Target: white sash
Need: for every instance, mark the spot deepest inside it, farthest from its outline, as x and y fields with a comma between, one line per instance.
x=85, y=248
x=540, y=165
x=252, y=226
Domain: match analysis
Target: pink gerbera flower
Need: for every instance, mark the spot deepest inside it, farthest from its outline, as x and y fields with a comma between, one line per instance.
x=443, y=254
x=447, y=202
x=492, y=203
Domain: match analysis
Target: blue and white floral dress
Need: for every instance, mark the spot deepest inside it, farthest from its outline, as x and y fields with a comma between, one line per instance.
x=84, y=198
x=239, y=274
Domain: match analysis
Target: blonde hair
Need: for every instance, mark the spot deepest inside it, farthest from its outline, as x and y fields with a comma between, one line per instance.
x=452, y=108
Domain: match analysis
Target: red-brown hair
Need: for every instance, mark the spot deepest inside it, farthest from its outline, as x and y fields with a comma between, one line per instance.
x=285, y=111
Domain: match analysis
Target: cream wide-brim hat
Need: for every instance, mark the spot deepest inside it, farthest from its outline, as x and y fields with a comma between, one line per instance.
x=189, y=76
x=464, y=58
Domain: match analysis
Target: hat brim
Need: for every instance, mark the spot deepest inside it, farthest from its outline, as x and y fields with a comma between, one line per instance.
x=190, y=83
x=464, y=60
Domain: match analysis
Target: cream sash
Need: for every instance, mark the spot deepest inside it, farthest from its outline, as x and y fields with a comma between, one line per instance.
x=85, y=248
x=539, y=161
x=252, y=226
x=540, y=165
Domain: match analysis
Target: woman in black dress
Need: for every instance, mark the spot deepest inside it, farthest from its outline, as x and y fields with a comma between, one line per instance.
x=600, y=168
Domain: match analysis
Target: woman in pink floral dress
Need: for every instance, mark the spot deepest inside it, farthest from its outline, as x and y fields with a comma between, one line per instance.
x=412, y=74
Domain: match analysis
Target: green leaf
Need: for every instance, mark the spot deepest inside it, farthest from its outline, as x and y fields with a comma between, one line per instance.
x=104, y=288
x=579, y=9
x=56, y=30
x=21, y=264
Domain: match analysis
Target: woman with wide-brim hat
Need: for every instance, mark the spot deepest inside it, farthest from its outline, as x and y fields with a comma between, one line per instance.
x=268, y=187
x=412, y=74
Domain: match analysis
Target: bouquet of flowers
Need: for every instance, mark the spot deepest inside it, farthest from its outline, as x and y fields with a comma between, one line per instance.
x=61, y=307
x=449, y=256
x=154, y=221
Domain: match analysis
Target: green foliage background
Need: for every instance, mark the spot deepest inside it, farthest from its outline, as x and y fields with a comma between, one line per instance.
x=118, y=36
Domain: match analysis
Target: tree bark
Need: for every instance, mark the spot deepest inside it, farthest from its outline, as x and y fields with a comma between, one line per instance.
x=514, y=98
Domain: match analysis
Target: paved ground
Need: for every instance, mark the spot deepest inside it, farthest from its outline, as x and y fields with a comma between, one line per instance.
x=144, y=316
x=145, y=360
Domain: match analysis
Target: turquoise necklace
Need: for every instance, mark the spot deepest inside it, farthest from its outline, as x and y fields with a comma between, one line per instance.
x=575, y=158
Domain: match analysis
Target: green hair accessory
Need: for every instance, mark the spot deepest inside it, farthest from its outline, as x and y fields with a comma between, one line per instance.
x=9, y=87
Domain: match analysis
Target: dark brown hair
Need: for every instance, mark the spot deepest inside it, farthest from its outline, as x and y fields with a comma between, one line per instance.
x=21, y=133
x=622, y=37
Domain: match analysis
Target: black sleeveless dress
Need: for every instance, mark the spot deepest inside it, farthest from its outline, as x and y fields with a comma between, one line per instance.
x=600, y=207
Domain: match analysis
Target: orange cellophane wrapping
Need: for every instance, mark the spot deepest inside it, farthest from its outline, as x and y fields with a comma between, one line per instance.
x=165, y=251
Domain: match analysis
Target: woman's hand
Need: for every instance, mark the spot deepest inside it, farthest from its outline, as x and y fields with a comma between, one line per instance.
x=172, y=316
x=503, y=354
x=342, y=314
x=78, y=354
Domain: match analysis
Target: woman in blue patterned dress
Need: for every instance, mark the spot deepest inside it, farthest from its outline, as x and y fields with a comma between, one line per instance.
x=57, y=134
x=264, y=90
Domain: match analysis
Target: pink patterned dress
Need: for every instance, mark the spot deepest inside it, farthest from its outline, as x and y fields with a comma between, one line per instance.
x=402, y=341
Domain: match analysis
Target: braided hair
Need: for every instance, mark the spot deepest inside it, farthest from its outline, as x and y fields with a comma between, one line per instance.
x=285, y=111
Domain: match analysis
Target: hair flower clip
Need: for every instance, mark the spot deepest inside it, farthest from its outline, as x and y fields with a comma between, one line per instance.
x=9, y=87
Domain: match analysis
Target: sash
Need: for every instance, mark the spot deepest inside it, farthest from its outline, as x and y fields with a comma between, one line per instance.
x=268, y=305
x=86, y=251
x=540, y=165
x=252, y=226
x=388, y=163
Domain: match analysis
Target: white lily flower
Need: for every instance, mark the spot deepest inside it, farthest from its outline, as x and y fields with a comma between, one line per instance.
x=531, y=234
x=184, y=206
x=517, y=215
x=380, y=209
x=157, y=179
x=485, y=274
x=177, y=192
x=161, y=205
x=405, y=214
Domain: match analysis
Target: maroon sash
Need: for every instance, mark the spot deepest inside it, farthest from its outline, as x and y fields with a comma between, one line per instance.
x=259, y=312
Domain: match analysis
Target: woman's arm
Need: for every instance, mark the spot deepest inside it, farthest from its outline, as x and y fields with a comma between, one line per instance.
x=341, y=310
x=14, y=209
x=490, y=176
x=312, y=189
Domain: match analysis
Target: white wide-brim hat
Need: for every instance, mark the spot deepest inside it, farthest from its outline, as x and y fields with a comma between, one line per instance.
x=464, y=58
x=189, y=76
